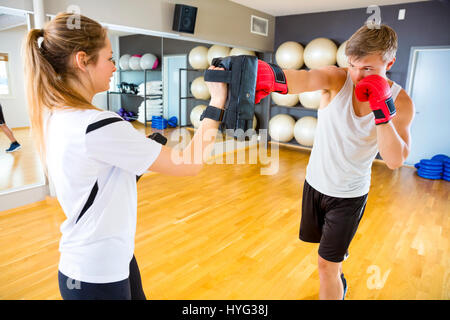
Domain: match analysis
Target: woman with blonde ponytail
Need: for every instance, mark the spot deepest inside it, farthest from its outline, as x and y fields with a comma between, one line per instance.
x=93, y=156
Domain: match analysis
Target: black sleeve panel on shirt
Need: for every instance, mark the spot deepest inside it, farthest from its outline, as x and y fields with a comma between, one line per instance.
x=101, y=123
x=114, y=141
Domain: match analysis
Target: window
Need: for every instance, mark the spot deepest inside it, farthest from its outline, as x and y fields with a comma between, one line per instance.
x=4, y=75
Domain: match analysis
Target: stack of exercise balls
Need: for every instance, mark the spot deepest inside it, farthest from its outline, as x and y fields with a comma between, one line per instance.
x=304, y=130
x=318, y=53
x=147, y=61
x=217, y=51
x=201, y=57
x=287, y=100
x=283, y=128
x=310, y=99
x=198, y=58
x=196, y=112
x=199, y=89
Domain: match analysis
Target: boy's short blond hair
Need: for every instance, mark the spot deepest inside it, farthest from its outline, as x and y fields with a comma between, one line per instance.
x=370, y=39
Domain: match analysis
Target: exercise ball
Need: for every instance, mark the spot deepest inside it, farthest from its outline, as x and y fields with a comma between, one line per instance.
x=255, y=122
x=199, y=89
x=281, y=127
x=217, y=51
x=241, y=52
x=149, y=62
x=320, y=52
x=135, y=62
x=198, y=57
x=124, y=62
x=289, y=55
x=287, y=100
x=304, y=130
x=341, y=57
x=311, y=99
x=195, y=115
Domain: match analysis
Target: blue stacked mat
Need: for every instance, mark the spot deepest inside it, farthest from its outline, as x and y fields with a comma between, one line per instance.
x=435, y=168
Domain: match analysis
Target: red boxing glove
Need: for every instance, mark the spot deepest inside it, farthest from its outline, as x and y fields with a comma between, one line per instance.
x=376, y=90
x=270, y=78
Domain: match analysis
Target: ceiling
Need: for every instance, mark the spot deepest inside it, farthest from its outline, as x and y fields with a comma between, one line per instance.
x=290, y=7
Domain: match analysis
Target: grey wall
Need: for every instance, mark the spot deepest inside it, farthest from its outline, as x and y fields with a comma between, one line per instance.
x=213, y=23
x=426, y=23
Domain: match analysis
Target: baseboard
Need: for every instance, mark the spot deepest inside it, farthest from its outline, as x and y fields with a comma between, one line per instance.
x=23, y=196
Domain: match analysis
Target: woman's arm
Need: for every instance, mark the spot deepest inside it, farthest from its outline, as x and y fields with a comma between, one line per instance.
x=190, y=161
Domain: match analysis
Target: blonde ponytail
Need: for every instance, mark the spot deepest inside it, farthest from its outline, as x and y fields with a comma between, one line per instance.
x=48, y=69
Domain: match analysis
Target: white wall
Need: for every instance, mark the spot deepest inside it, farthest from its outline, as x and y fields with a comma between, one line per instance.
x=15, y=107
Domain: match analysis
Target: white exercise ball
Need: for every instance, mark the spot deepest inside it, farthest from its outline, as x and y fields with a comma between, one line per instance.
x=195, y=115
x=287, y=100
x=341, y=58
x=135, y=62
x=281, y=127
x=149, y=62
x=255, y=122
x=198, y=57
x=124, y=62
x=289, y=55
x=241, y=52
x=217, y=51
x=199, y=89
x=320, y=52
x=310, y=99
x=304, y=130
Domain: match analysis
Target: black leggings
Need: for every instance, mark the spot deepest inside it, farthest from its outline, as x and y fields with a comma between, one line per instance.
x=128, y=289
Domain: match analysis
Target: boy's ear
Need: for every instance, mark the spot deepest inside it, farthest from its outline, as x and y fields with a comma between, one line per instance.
x=390, y=64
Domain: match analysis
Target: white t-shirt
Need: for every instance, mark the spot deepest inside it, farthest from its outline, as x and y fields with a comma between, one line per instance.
x=345, y=146
x=93, y=159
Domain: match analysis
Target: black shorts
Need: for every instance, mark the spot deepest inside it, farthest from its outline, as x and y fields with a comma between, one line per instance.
x=2, y=118
x=128, y=289
x=330, y=221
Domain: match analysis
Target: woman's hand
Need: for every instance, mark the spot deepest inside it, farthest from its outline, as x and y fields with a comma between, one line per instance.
x=218, y=90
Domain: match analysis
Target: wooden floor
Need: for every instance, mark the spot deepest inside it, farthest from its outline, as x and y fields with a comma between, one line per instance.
x=20, y=168
x=231, y=233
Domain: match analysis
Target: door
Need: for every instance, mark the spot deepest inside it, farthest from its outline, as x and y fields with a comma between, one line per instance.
x=428, y=85
x=172, y=88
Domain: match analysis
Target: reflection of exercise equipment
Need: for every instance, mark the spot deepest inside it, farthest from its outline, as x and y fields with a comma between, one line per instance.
x=127, y=115
x=160, y=123
x=131, y=88
x=289, y=55
x=281, y=127
x=320, y=52
x=341, y=58
x=198, y=57
x=217, y=51
x=135, y=62
x=149, y=61
x=304, y=130
x=287, y=100
x=199, y=89
x=311, y=99
x=124, y=62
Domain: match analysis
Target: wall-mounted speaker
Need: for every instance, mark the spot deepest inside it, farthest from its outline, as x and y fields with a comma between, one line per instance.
x=184, y=18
